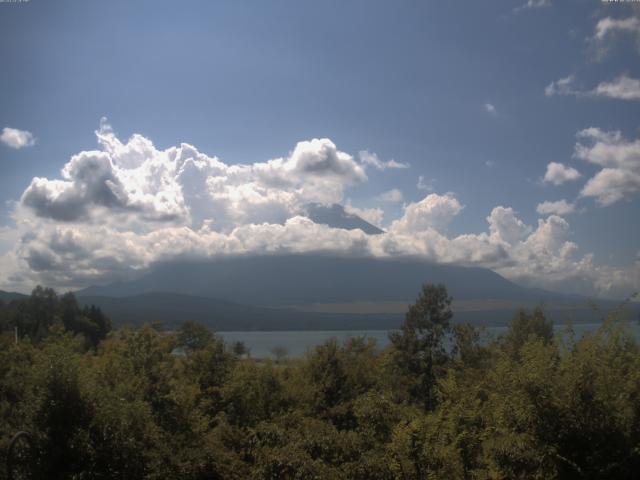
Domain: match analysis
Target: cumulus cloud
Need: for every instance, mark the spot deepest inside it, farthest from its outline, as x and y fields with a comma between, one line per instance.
x=8, y=238
x=558, y=173
x=116, y=211
x=620, y=88
x=135, y=181
x=434, y=211
x=611, y=185
x=620, y=162
x=505, y=227
x=391, y=196
x=372, y=160
x=372, y=215
x=560, y=207
x=17, y=139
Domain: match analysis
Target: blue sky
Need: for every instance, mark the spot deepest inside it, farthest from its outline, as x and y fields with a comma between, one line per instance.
x=454, y=90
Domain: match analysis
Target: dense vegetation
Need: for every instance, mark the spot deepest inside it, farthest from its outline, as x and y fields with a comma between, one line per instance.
x=144, y=404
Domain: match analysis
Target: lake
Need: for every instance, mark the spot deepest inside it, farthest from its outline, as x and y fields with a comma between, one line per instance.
x=297, y=343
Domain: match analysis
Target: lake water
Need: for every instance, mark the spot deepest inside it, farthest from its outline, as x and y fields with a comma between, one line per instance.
x=297, y=343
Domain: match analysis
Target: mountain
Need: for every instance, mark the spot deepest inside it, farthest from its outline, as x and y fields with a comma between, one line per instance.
x=299, y=280
x=7, y=297
x=171, y=309
x=276, y=280
x=325, y=292
x=337, y=217
x=314, y=291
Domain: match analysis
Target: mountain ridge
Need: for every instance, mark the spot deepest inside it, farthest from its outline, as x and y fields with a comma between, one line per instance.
x=336, y=216
x=313, y=278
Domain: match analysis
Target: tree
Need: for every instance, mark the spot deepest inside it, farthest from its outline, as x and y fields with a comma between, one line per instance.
x=279, y=352
x=99, y=319
x=194, y=336
x=327, y=374
x=36, y=314
x=89, y=321
x=467, y=348
x=418, y=350
x=526, y=326
x=252, y=393
x=239, y=348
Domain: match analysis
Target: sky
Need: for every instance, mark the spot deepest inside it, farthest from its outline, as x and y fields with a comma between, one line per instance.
x=501, y=134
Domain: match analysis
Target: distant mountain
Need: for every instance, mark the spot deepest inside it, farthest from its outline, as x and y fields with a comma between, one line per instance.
x=172, y=309
x=336, y=217
x=323, y=292
x=7, y=297
x=279, y=280
x=315, y=292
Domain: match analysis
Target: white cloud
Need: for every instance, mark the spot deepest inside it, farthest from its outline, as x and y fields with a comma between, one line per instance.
x=434, y=211
x=490, y=108
x=621, y=88
x=564, y=86
x=620, y=162
x=17, y=139
x=8, y=238
x=115, y=212
x=372, y=215
x=391, y=196
x=533, y=4
x=558, y=173
x=424, y=184
x=560, y=207
x=607, y=26
x=505, y=227
x=135, y=181
x=611, y=185
x=538, y=3
x=608, y=29
x=371, y=159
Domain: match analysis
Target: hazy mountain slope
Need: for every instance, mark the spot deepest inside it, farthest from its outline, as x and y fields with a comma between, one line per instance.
x=172, y=309
x=6, y=297
x=301, y=279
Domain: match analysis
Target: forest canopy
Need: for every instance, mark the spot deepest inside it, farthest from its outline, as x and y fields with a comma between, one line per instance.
x=441, y=401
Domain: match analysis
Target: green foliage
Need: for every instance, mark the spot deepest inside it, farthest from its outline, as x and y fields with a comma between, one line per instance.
x=239, y=348
x=38, y=314
x=253, y=393
x=526, y=326
x=418, y=349
x=194, y=336
x=279, y=352
x=439, y=402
